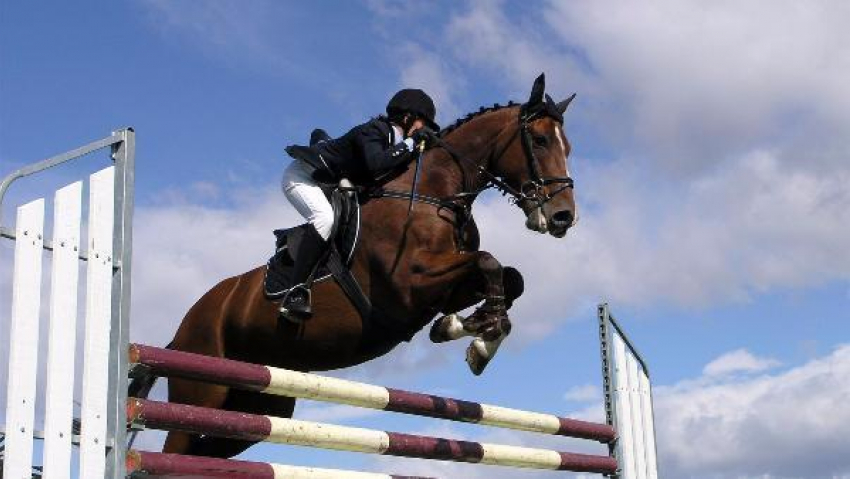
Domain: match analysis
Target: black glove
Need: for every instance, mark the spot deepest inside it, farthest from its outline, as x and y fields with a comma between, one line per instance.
x=426, y=135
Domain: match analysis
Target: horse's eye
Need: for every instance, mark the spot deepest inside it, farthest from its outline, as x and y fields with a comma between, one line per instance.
x=540, y=141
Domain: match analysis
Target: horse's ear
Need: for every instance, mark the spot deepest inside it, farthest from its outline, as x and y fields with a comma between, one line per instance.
x=562, y=106
x=537, y=90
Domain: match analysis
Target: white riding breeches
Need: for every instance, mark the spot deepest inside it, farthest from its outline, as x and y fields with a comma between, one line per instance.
x=307, y=197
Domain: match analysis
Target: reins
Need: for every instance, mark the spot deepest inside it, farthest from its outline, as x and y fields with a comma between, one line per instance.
x=533, y=190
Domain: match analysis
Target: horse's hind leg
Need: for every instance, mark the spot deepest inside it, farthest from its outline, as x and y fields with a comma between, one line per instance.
x=514, y=285
x=201, y=332
x=182, y=391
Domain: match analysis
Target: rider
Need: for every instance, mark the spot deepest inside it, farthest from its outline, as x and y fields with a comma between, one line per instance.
x=364, y=155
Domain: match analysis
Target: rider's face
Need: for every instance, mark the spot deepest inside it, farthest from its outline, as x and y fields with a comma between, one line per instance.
x=417, y=124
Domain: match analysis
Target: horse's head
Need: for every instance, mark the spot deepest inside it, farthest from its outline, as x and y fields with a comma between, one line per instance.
x=534, y=163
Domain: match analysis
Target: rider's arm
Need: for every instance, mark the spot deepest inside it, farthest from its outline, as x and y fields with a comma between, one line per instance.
x=372, y=141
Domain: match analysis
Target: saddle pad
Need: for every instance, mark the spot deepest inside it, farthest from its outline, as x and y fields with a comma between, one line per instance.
x=279, y=269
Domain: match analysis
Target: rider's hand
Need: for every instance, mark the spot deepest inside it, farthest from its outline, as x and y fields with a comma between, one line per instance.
x=426, y=135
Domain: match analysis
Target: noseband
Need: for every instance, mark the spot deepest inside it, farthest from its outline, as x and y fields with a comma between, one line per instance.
x=534, y=190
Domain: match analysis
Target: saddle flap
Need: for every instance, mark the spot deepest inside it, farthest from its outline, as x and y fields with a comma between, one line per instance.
x=289, y=238
x=279, y=269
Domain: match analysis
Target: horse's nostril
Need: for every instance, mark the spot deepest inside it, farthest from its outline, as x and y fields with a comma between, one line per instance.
x=563, y=218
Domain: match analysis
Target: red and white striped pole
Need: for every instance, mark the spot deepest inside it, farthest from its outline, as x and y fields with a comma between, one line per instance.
x=284, y=382
x=250, y=427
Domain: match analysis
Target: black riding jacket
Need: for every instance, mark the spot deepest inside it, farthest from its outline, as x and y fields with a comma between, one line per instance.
x=363, y=155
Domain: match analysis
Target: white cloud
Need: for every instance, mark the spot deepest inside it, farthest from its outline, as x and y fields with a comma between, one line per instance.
x=428, y=71
x=183, y=249
x=791, y=424
x=685, y=83
x=585, y=393
x=510, y=50
x=738, y=361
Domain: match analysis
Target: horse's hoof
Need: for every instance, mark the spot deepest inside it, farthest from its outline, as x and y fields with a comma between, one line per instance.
x=480, y=352
x=447, y=328
x=476, y=361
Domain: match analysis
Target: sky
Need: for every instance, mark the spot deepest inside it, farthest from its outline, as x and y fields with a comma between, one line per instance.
x=710, y=153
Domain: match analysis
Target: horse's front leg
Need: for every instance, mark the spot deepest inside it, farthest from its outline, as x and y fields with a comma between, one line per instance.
x=489, y=324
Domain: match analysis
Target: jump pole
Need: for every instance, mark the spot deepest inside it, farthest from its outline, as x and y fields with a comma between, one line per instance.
x=250, y=427
x=161, y=466
x=283, y=382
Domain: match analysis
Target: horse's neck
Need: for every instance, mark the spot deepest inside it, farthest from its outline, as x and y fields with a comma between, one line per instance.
x=474, y=144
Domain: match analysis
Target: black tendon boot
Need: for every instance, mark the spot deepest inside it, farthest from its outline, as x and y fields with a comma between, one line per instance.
x=296, y=304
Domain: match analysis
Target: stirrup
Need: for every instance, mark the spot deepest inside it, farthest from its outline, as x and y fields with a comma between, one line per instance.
x=296, y=305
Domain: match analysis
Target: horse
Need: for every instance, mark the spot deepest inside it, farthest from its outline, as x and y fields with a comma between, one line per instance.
x=413, y=263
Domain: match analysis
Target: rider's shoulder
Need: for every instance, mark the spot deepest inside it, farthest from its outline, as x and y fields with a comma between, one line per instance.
x=378, y=126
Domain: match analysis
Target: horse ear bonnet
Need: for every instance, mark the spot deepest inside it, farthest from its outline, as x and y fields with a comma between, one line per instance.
x=537, y=90
x=537, y=106
x=562, y=107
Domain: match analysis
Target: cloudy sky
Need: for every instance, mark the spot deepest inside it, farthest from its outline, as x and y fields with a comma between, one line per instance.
x=712, y=163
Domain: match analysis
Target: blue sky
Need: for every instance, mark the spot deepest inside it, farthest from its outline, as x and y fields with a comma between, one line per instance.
x=709, y=150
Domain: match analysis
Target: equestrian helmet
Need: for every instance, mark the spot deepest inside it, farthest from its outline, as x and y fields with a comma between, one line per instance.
x=416, y=101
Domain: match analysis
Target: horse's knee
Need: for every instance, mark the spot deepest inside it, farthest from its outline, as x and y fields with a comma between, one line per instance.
x=492, y=271
x=514, y=284
x=488, y=263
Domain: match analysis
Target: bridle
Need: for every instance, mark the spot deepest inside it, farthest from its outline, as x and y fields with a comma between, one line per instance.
x=537, y=183
x=534, y=189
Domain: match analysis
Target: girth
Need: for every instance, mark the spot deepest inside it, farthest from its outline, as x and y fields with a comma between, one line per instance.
x=456, y=204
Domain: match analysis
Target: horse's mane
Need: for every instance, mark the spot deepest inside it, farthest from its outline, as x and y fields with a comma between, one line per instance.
x=471, y=116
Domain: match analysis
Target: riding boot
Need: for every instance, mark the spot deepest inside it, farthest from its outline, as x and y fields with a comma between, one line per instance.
x=296, y=305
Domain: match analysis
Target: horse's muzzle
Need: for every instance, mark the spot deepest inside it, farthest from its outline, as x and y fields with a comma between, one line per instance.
x=560, y=222
x=556, y=225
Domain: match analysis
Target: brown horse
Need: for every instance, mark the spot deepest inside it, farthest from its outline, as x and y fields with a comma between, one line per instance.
x=412, y=268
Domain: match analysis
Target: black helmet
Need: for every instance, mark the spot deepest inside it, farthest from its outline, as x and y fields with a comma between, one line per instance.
x=412, y=100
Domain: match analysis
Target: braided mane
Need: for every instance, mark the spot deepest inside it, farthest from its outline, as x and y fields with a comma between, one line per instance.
x=462, y=121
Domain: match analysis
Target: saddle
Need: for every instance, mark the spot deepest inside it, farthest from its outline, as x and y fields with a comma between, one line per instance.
x=337, y=261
